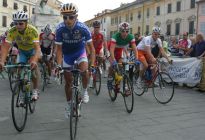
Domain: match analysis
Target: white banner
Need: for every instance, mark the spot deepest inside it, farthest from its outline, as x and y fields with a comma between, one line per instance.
x=185, y=70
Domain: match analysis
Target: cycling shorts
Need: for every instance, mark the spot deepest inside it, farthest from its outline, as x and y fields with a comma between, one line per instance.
x=69, y=60
x=24, y=56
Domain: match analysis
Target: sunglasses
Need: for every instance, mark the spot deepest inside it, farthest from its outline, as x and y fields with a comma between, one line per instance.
x=19, y=23
x=125, y=31
x=71, y=17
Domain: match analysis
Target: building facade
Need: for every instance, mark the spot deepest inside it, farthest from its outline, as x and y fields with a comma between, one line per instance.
x=201, y=17
x=173, y=16
x=8, y=7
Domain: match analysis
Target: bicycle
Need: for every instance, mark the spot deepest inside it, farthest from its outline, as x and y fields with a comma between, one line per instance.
x=44, y=72
x=76, y=100
x=160, y=82
x=96, y=76
x=114, y=85
x=21, y=96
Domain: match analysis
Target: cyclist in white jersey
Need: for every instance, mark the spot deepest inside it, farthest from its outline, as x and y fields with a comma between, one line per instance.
x=145, y=47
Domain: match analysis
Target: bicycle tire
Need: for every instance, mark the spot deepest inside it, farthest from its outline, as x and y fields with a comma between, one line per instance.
x=97, y=81
x=73, y=114
x=138, y=88
x=44, y=77
x=15, y=105
x=159, y=87
x=111, y=88
x=128, y=94
x=32, y=103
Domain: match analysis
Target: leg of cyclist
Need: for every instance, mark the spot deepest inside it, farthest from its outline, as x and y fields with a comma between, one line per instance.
x=83, y=66
x=143, y=65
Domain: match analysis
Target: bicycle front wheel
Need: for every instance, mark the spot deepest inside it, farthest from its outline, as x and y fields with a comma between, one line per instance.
x=97, y=81
x=163, y=88
x=112, y=88
x=74, y=114
x=128, y=94
x=19, y=107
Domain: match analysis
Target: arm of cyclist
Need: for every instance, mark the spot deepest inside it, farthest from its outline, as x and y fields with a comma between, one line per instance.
x=165, y=55
x=4, y=52
x=92, y=52
x=34, y=59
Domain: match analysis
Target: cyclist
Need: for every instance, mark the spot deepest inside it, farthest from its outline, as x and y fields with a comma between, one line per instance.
x=145, y=48
x=26, y=37
x=72, y=37
x=120, y=42
x=47, y=39
x=100, y=44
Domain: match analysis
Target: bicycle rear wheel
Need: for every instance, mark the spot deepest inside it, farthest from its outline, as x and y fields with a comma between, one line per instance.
x=97, y=81
x=128, y=94
x=74, y=114
x=32, y=103
x=163, y=88
x=19, y=107
x=111, y=88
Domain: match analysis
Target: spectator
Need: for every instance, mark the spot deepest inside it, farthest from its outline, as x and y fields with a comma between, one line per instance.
x=172, y=45
x=198, y=49
x=164, y=44
x=183, y=45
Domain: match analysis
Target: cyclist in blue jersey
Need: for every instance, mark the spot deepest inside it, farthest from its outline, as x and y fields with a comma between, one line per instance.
x=71, y=38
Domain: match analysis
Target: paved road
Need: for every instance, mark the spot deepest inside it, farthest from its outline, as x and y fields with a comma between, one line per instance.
x=181, y=119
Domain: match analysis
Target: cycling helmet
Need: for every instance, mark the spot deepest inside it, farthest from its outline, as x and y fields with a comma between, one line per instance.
x=124, y=26
x=96, y=23
x=156, y=29
x=20, y=15
x=69, y=8
x=47, y=30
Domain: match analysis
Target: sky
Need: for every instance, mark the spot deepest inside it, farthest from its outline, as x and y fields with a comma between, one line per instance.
x=88, y=8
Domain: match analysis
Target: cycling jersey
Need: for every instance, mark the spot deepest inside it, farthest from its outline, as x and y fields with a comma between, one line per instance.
x=121, y=44
x=98, y=40
x=150, y=42
x=24, y=41
x=73, y=40
x=46, y=41
x=154, y=46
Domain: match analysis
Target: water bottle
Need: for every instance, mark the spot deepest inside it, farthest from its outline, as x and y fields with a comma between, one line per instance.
x=148, y=74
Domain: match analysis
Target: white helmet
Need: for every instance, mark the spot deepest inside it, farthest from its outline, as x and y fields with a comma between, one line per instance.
x=20, y=16
x=124, y=26
x=156, y=29
x=69, y=8
x=47, y=30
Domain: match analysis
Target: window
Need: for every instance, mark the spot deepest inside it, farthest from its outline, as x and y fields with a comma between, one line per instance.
x=191, y=27
x=202, y=27
x=112, y=21
x=139, y=15
x=169, y=29
x=116, y=20
x=131, y=17
x=130, y=31
x=15, y=6
x=127, y=18
x=147, y=29
x=5, y=3
x=192, y=4
x=4, y=21
x=178, y=6
x=147, y=12
x=169, y=9
x=158, y=11
x=177, y=29
x=120, y=19
x=25, y=8
x=138, y=29
x=33, y=10
x=104, y=20
x=203, y=9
